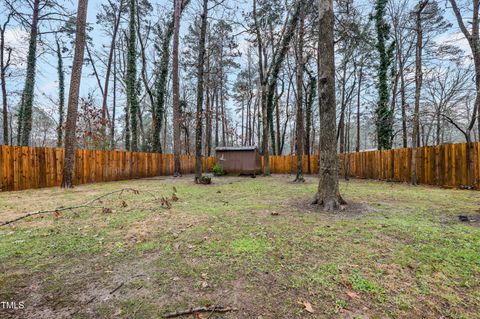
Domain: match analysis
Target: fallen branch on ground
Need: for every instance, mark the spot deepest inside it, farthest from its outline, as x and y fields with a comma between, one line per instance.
x=88, y=204
x=116, y=288
x=190, y=311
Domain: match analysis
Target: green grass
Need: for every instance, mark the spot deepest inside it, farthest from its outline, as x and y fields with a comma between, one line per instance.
x=403, y=255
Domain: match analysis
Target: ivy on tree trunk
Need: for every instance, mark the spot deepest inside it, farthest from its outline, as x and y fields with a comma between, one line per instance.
x=25, y=115
x=384, y=115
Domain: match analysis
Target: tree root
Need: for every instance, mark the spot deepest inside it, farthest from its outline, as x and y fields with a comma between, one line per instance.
x=190, y=311
x=329, y=204
x=299, y=179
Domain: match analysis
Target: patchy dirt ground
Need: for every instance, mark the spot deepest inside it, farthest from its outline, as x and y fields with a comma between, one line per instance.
x=256, y=245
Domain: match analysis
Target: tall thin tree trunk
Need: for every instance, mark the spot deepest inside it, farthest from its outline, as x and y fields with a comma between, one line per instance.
x=71, y=123
x=418, y=88
x=61, y=94
x=200, y=88
x=341, y=123
x=3, y=83
x=360, y=77
x=216, y=117
x=109, y=68
x=309, y=110
x=176, y=90
x=328, y=194
x=300, y=128
x=114, y=103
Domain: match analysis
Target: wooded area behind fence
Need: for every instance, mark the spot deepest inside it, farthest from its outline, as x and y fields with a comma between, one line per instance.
x=34, y=167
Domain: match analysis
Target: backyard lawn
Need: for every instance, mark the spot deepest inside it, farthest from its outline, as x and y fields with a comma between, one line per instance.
x=254, y=245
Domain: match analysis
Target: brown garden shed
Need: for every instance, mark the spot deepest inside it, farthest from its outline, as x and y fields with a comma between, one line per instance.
x=244, y=160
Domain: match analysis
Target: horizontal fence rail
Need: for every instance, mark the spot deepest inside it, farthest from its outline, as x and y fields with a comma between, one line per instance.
x=448, y=165
x=23, y=167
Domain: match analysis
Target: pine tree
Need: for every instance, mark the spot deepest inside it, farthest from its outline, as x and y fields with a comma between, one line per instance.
x=71, y=123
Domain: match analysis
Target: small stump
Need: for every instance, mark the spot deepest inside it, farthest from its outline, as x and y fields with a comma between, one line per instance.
x=205, y=180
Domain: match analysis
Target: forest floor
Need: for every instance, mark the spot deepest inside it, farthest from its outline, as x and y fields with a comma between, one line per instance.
x=257, y=245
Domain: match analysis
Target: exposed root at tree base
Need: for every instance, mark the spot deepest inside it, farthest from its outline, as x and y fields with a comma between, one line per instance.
x=299, y=179
x=350, y=210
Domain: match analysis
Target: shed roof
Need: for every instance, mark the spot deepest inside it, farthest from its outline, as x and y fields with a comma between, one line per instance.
x=235, y=148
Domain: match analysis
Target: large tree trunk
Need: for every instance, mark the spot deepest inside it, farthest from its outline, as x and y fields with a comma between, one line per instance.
x=328, y=194
x=300, y=129
x=71, y=123
x=200, y=86
x=473, y=38
x=25, y=120
x=176, y=91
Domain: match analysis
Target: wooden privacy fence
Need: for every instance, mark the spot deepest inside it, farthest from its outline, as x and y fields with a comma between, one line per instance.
x=445, y=165
x=23, y=167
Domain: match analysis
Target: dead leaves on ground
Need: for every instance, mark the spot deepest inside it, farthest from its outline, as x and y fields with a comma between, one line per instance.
x=352, y=295
x=56, y=214
x=107, y=210
x=307, y=306
x=165, y=202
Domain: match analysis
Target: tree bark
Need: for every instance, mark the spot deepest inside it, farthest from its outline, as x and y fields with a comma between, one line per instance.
x=71, y=123
x=418, y=88
x=61, y=94
x=309, y=106
x=3, y=69
x=114, y=103
x=328, y=194
x=200, y=87
x=176, y=90
x=360, y=77
x=300, y=129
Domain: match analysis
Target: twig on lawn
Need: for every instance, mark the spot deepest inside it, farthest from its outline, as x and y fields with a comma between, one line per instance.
x=88, y=204
x=190, y=311
x=118, y=287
